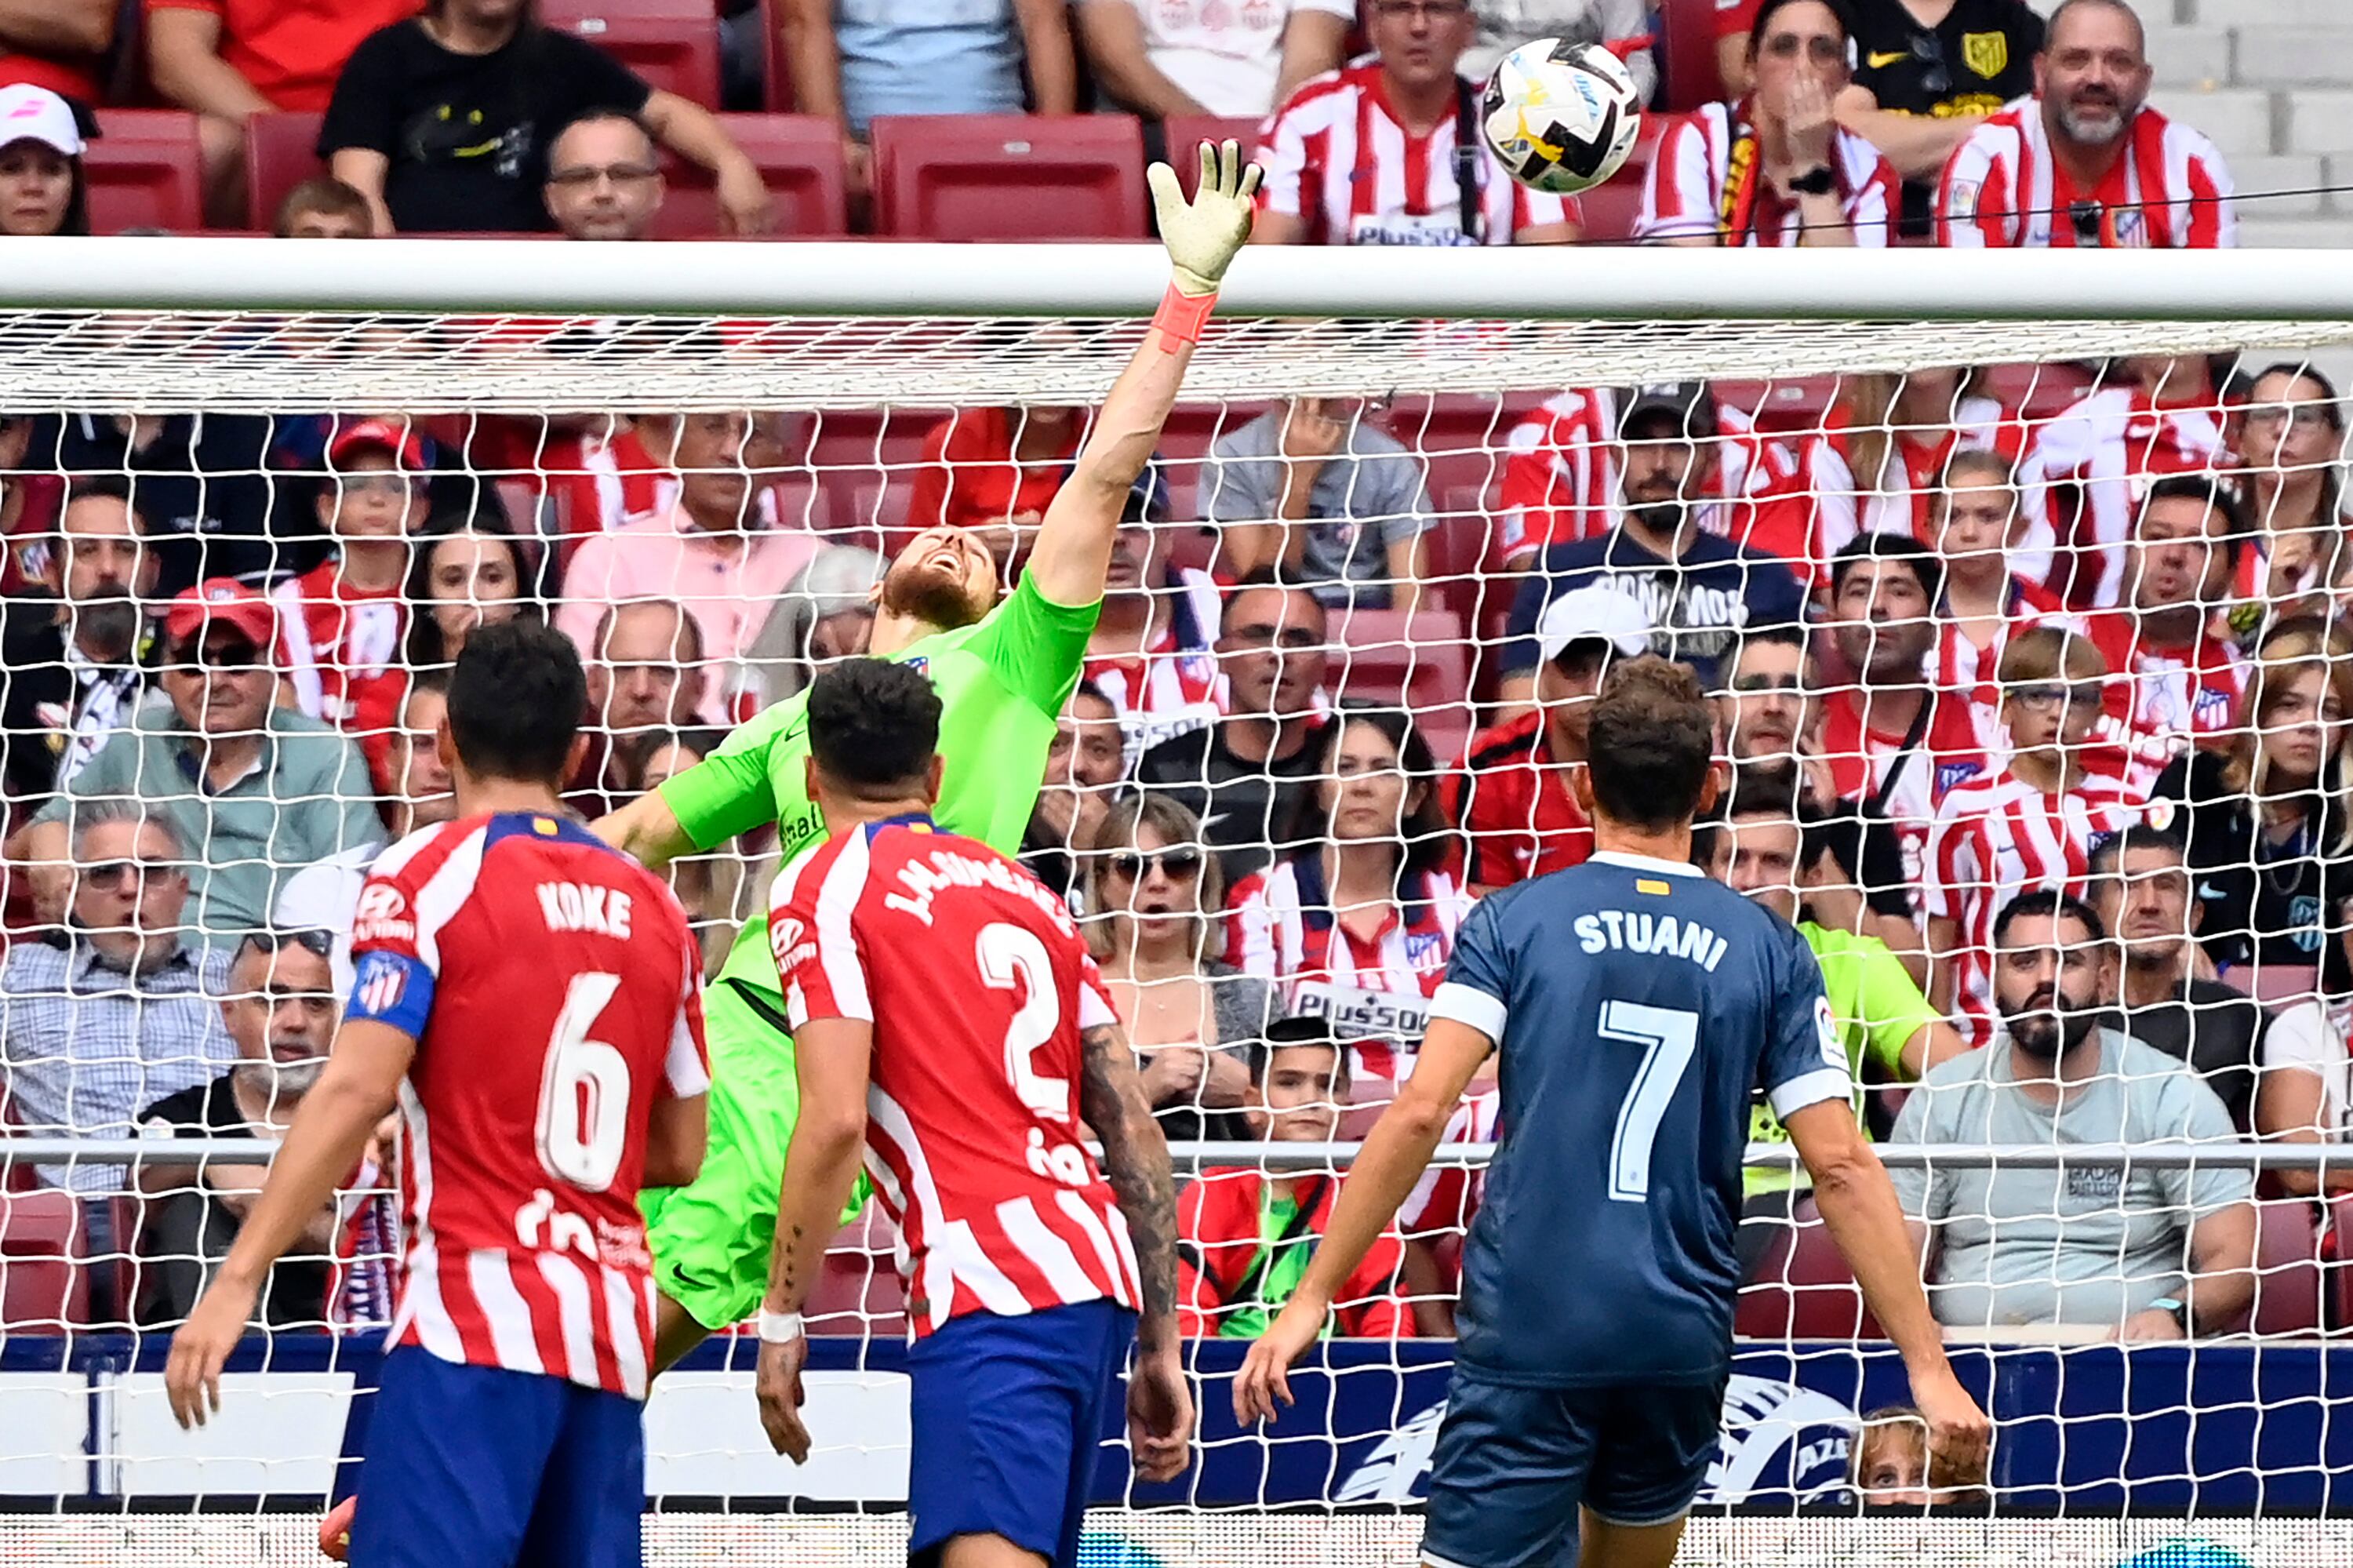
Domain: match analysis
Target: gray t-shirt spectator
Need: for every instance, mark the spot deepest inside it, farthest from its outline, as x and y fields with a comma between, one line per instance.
x=2090, y=1244
x=307, y=798
x=1364, y=499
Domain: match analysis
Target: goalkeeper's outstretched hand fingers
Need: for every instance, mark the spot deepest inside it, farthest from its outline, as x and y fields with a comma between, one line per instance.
x=1204, y=235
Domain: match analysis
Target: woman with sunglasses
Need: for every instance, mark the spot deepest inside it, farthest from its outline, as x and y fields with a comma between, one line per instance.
x=1152, y=896
x=2264, y=819
x=1358, y=926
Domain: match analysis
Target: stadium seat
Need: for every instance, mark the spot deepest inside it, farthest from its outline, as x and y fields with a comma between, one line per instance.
x=1685, y=51
x=1803, y=1289
x=1009, y=176
x=143, y=172
x=1184, y=133
x=280, y=152
x=2287, y=1269
x=673, y=44
x=1420, y=663
x=43, y=1286
x=776, y=67
x=799, y=160
x=858, y=1290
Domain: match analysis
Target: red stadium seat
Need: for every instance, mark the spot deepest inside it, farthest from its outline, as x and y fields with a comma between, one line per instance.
x=44, y=1286
x=143, y=172
x=775, y=69
x=1803, y=1290
x=2287, y=1269
x=858, y=1290
x=1686, y=54
x=1009, y=176
x=280, y=152
x=673, y=44
x=1421, y=664
x=799, y=160
x=1184, y=133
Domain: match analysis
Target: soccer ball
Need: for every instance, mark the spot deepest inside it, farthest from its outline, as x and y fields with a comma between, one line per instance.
x=1561, y=116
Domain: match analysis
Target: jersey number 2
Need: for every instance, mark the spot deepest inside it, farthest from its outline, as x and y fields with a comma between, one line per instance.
x=1011, y=957
x=584, y=1091
x=1672, y=1034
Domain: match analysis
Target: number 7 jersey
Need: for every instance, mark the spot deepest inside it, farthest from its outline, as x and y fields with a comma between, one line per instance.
x=554, y=990
x=978, y=988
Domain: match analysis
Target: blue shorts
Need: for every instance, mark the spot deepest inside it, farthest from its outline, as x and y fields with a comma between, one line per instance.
x=479, y=1467
x=1513, y=1465
x=1006, y=1416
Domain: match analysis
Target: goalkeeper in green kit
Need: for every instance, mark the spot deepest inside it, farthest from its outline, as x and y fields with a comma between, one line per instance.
x=1004, y=672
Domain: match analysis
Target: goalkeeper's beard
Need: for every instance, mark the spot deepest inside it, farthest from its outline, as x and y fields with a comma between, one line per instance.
x=932, y=598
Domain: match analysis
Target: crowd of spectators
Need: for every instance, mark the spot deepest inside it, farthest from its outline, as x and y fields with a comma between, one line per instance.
x=2033, y=718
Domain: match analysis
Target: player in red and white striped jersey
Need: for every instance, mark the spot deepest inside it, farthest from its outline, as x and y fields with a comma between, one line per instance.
x=531, y=997
x=2032, y=826
x=1974, y=523
x=2083, y=470
x=2085, y=163
x=2173, y=682
x=1377, y=152
x=950, y=1027
x=1774, y=169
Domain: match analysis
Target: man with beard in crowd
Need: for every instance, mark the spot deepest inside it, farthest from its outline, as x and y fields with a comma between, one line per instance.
x=73, y=662
x=2090, y=1246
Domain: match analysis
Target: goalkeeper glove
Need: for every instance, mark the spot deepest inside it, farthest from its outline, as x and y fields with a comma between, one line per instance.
x=1204, y=235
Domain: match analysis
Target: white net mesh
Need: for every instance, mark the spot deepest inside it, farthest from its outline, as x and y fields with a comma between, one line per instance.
x=690, y=499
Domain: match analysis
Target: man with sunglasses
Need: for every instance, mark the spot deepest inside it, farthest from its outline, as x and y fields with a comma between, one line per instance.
x=260, y=788
x=2033, y=825
x=2085, y=163
x=1775, y=168
x=340, y=624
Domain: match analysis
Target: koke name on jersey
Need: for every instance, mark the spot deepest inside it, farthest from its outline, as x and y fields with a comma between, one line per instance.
x=1662, y=935
x=579, y=906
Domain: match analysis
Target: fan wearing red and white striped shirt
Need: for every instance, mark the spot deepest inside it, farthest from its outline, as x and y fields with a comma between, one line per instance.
x=2032, y=826
x=1974, y=523
x=532, y=997
x=951, y=1031
x=1379, y=152
x=1774, y=169
x=2085, y=163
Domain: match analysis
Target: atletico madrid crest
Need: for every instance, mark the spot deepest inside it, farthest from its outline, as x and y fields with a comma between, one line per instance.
x=1988, y=54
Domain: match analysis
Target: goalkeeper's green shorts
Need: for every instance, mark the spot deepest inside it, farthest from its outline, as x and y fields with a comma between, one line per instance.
x=711, y=1239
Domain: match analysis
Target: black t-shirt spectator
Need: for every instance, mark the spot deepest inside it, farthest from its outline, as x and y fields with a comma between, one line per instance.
x=2257, y=902
x=54, y=708
x=202, y=481
x=2218, y=1031
x=1698, y=606
x=1976, y=59
x=1250, y=811
x=187, y=1233
x=467, y=134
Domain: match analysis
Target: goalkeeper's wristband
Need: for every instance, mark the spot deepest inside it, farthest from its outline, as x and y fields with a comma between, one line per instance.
x=1182, y=315
x=779, y=1328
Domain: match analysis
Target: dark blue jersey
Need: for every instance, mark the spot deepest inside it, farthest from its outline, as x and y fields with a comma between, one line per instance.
x=1635, y=1005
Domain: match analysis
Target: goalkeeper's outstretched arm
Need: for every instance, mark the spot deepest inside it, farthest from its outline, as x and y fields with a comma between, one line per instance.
x=1073, y=552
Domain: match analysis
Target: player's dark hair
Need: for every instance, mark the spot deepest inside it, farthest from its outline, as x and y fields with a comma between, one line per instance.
x=1650, y=741
x=1284, y=1033
x=1881, y=545
x=2047, y=903
x=2110, y=851
x=873, y=726
x=515, y=700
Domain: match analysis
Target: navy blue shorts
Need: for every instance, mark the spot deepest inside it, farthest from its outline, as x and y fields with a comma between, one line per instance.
x=479, y=1467
x=1513, y=1465
x=1007, y=1415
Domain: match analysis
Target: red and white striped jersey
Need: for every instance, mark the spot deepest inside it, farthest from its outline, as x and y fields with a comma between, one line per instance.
x=555, y=993
x=2168, y=189
x=1997, y=837
x=1861, y=757
x=1958, y=664
x=1337, y=159
x=341, y=649
x=1561, y=473
x=1175, y=687
x=1708, y=182
x=2105, y=449
x=1374, y=991
x=978, y=988
x=1446, y=1199
x=2161, y=701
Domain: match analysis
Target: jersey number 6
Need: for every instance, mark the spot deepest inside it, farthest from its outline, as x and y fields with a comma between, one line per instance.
x=584, y=1091
x=1672, y=1035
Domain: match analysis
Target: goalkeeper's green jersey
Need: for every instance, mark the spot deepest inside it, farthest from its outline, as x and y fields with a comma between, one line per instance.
x=1002, y=681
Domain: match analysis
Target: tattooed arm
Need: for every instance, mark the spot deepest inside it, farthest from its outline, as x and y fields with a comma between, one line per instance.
x=1135, y=1161
x=820, y=1167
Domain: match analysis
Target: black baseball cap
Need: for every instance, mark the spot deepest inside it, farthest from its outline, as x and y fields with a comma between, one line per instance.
x=1688, y=407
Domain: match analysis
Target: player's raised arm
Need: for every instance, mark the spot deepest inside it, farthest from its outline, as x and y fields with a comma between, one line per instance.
x=1135, y=1163
x=1391, y=1162
x=1073, y=546
x=1859, y=1205
x=322, y=1146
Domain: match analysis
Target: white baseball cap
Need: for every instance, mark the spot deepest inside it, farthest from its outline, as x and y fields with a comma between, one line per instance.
x=29, y=114
x=1608, y=614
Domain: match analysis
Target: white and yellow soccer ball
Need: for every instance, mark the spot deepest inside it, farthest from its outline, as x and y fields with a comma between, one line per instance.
x=1563, y=117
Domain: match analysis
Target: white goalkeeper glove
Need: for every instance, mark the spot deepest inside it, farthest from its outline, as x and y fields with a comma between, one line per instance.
x=1204, y=235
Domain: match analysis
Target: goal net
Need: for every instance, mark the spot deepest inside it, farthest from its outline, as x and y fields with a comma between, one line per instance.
x=2008, y=577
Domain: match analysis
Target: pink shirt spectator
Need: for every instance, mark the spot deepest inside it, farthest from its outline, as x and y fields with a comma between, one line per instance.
x=728, y=582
